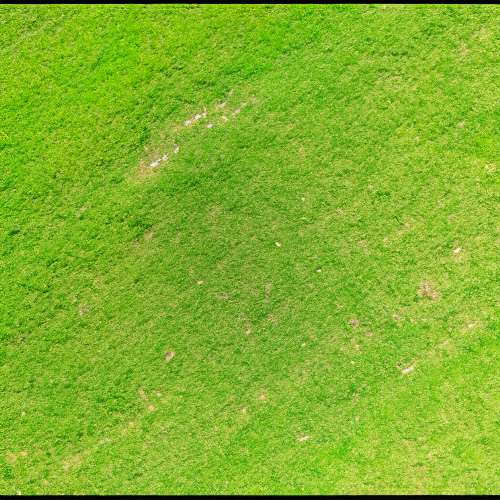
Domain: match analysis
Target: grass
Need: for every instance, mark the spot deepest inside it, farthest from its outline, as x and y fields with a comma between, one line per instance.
x=368, y=149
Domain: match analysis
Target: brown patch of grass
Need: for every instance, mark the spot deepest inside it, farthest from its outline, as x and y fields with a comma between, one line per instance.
x=354, y=322
x=169, y=356
x=223, y=295
x=148, y=235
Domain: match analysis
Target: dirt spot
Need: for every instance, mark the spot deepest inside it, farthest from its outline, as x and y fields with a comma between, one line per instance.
x=385, y=240
x=243, y=410
x=169, y=356
x=304, y=344
x=395, y=317
x=440, y=346
x=215, y=211
x=263, y=396
x=82, y=310
x=223, y=295
x=407, y=369
x=248, y=331
x=72, y=462
x=158, y=394
x=200, y=282
x=143, y=395
x=425, y=291
x=151, y=408
x=278, y=244
x=148, y=235
x=461, y=124
x=354, y=322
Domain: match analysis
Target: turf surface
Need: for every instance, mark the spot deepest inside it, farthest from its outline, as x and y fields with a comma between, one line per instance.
x=299, y=258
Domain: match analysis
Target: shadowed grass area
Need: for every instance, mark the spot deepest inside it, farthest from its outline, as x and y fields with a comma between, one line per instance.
x=299, y=257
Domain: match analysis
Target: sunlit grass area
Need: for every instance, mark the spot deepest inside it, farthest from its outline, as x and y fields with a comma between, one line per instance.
x=249, y=249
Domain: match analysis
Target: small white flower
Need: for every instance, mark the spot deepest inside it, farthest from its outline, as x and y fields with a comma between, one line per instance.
x=236, y=112
x=319, y=270
x=303, y=438
x=278, y=244
x=176, y=150
x=204, y=115
x=165, y=157
x=154, y=164
x=352, y=362
x=457, y=250
x=243, y=104
x=304, y=344
x=406, y=370
x=187, y=122
x=230, y=92
x=303, y=199
x=221, y=105
x=200, y=282
x=224, y=117
x=209, y=125
x=197, y=117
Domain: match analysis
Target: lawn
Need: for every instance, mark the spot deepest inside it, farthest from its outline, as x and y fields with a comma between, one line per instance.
x=299, y=203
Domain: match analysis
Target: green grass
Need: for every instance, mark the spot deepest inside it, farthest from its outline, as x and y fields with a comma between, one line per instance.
x=386, y=122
